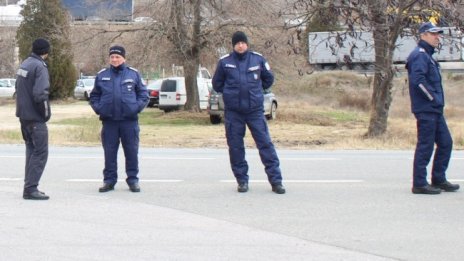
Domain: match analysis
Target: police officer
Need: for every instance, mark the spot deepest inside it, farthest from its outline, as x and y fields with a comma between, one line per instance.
x=241, y=77
x=117, y=97
x=33, y=111
x=427, y=102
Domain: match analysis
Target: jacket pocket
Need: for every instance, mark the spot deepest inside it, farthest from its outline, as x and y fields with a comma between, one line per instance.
x=256, y=98
x=130, y=107
x=231, y=96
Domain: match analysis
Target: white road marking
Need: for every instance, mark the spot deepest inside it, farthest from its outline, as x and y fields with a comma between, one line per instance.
x=101, y=157
x=302, y=181
x=11, y=179
x=304, y=159
x=123, y=180
x=224, y=181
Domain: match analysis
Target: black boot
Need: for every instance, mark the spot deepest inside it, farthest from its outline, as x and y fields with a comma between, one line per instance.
x=278, y=188
x=242, y=187
x=106, y=187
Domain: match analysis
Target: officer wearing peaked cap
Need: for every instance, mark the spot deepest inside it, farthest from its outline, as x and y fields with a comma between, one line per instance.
x=117, y=97
x=427, y=103
x=241, y=77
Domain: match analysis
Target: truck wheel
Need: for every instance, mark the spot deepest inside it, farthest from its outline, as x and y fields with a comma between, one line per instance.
x=370, y=67
x=215, y=119
x=86, y=96
x=272, y=115
x=329, y=67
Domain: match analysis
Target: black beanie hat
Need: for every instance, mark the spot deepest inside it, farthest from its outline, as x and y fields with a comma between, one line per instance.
x=40, y=46
x=118, y=50
x=239, y=37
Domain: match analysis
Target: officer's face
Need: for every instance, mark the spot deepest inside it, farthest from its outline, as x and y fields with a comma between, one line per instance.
x=240, y=47
x=431, y=38
x=116, y=60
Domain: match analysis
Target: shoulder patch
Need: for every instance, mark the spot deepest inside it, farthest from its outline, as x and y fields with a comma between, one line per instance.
x=224, y=56
x=257, y=53
x=268, y=67
x=133, y=69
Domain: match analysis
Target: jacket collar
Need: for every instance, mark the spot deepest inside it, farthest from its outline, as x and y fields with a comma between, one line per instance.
x=428, y=48
x=240, y=56
x=119, y=68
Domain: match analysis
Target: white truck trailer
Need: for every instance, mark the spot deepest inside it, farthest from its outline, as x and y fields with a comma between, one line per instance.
x=355, y=50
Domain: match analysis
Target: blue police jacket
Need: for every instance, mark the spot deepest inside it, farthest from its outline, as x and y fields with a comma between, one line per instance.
x=425, y=84
x=118, y=94
x=241, y=78
x=32, y=90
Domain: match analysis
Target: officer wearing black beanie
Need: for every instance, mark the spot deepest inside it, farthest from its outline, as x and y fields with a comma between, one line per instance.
x=33, y=111
x=40, y=46
x=239, y=37
x=241, y=77
x=116, y=49
x=119, y=116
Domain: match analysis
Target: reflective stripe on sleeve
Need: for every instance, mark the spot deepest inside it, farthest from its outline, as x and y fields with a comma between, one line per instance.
x=426, y=92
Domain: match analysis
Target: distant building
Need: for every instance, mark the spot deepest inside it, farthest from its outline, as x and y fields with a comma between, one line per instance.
x=98, y=10
x=9, y=14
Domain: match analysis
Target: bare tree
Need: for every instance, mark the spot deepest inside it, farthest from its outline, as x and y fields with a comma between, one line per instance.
x=387, y=20
x=186, y=32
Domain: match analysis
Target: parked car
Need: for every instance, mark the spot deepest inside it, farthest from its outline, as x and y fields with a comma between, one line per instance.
x=173, y=94
x=153, y=92
x=7, y=87
x=216, y=106
x=83, y=88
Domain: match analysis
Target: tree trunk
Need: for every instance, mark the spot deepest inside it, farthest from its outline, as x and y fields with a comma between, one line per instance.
x=381, y=101
x=191, y=85
x=381, y=94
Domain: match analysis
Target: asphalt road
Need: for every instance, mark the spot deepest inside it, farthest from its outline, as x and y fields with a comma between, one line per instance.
x=340, y=205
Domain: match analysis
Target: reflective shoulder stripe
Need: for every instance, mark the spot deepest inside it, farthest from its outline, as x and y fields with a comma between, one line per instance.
x=224, y=56
x=268, y=67
x=425, y=91
x=133, y=69
x=102, y=70
x=257, y=53
x=21, y=72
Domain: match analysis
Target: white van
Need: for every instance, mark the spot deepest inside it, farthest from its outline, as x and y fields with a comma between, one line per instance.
x=173, y=95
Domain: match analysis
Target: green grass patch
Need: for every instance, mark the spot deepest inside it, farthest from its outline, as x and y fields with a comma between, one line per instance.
x=11, y=135
x=176, y=118
x=342, y=116
x=82, y=121
x=147, y=117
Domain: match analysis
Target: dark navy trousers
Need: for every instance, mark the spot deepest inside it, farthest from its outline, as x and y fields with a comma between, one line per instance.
x=431, y=129
x=235, y=124
x=35, y=135
x=127, y=133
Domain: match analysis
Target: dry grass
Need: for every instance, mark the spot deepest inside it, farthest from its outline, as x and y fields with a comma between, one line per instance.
x=317, y=111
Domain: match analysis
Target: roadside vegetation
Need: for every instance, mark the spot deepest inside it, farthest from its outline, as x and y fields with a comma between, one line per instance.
x=326, y=110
